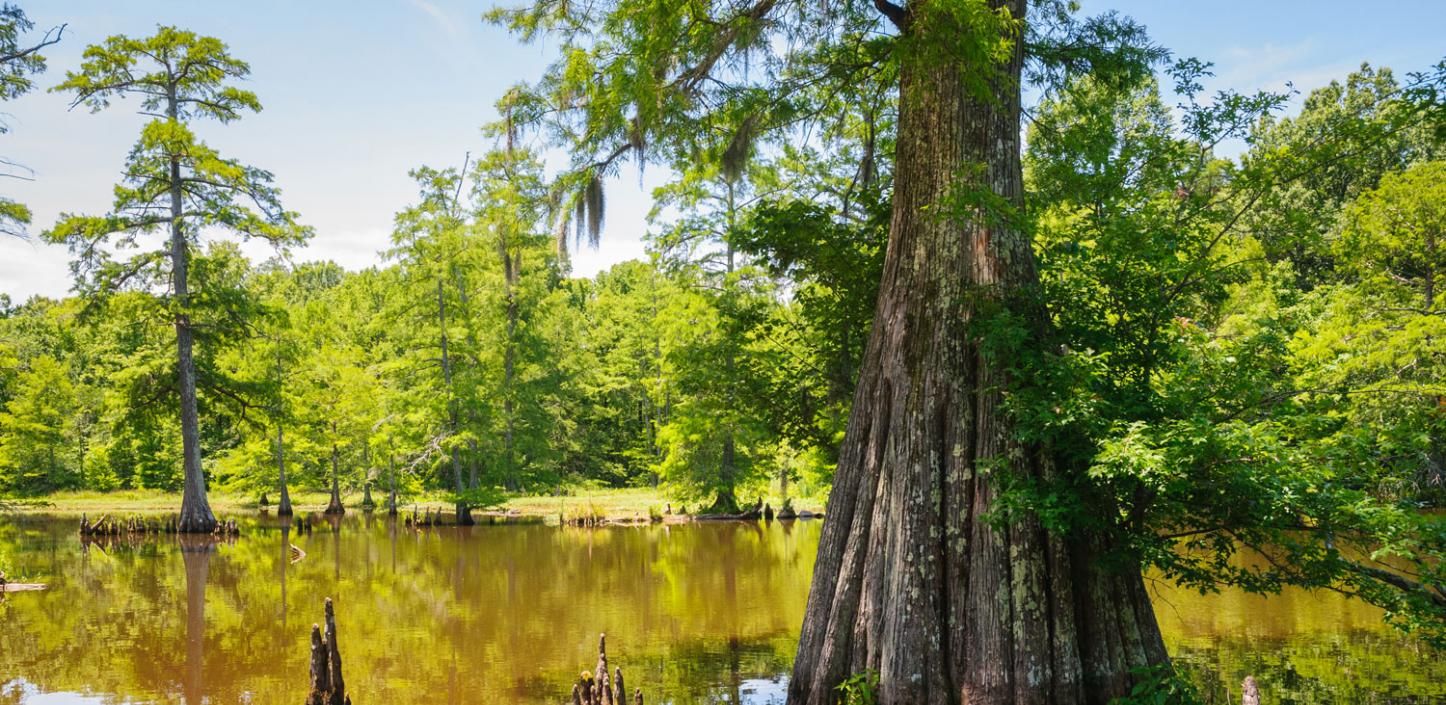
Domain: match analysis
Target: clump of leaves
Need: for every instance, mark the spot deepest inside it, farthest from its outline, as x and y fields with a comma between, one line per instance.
x=1160, y=685
x=859, y=689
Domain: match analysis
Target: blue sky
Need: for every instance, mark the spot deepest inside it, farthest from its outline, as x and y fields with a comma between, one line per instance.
x=356, y=93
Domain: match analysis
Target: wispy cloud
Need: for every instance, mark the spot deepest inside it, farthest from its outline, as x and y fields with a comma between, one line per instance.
x=446, y=23
x=1272, y=67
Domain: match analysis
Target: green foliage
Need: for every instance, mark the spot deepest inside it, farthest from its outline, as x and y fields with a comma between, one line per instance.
x=38, y=425
x=1346, y=137
x=1217, y=408
x=859, y=689
x=1234, y=363
x=1160, y=685
x=19, y=61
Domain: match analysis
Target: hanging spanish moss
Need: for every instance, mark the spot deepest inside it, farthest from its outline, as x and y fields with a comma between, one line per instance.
x=740, y=149
x=588, y=212
x=638, y=142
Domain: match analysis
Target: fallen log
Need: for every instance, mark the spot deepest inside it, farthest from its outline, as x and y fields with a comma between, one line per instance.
x=21, y=587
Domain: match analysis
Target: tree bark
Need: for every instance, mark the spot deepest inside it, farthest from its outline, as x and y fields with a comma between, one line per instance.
x=392, y=489
x=464, y=512
x=912, y=581
x=726, y=500
x=334, y=506
x=284, y=508
x=196, y=516
x=511, y=271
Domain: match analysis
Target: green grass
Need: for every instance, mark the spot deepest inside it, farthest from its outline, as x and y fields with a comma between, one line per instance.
x=126, y=502
x=606, y=503
x=629, y=503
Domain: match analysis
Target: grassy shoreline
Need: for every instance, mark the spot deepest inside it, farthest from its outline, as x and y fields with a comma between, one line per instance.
x=612, y=504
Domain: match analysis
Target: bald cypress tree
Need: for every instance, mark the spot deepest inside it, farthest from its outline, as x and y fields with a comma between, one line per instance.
x=922, y=575
x=174, y=189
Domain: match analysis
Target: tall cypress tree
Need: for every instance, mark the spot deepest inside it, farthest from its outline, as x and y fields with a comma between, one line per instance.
x=913, y=579
x=176, y=186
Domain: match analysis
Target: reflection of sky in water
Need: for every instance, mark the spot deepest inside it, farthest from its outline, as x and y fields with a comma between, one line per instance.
x=760, y=691
x=19, y=690
x=705, y=613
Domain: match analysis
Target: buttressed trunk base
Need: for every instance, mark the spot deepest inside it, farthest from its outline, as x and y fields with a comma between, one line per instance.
x=911, y=582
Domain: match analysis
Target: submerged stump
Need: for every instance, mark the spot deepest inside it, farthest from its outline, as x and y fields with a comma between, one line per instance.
x=1249, y=693
x=602, y=689
x=327, y=685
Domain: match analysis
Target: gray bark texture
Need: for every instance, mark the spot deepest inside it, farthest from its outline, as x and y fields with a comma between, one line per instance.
x=910, y=581
x=196, y=516
x=284, y=508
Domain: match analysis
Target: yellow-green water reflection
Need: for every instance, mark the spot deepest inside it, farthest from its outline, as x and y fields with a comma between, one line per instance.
x=704, y=612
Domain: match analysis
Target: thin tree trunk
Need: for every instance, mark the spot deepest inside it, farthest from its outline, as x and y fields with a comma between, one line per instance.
x=284, y=508
x=196, y=516
x=726, y=501
x=473, y=459
x=509, y=373
x=392, y=480
x=472, y=455
x=912, y=580
x=1434, y=479
x=367, y=502
x=334, y=507
x=464, y=512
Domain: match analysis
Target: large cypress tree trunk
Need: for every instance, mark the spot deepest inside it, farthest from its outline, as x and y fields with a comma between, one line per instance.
x=196, y=516
x=911, y=580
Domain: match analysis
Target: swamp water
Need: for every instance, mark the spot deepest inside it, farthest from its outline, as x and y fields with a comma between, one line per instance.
x=705, y=612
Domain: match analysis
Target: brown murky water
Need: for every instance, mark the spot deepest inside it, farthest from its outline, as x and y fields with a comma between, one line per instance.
x=510, y=614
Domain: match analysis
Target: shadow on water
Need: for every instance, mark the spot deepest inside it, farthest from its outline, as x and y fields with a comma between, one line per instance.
x=694, y=613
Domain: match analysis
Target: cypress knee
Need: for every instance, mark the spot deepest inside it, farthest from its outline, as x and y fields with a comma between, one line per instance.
x=327, y=685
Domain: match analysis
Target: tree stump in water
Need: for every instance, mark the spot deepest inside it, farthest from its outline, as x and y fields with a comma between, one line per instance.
x=1249, y=694
x=600, y=689
x=327, y=685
